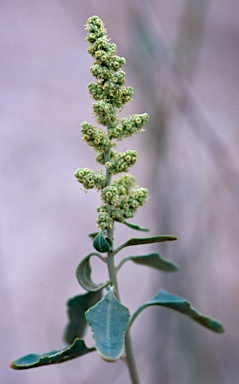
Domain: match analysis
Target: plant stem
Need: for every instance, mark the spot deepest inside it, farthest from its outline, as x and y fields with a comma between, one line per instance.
x=129, y=358
x=111, y=266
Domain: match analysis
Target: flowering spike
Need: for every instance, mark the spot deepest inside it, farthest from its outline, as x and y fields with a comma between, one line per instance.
x=121, y=198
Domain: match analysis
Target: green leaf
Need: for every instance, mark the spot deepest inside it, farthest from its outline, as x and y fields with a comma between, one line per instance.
x=83, y=274
x=77, y=349
x=100, y=243
x=93, y=235
x=167, y=299
x=153, y=260
x=76, y=308
x=108, y=320
x=135, y=226
x=145, y=240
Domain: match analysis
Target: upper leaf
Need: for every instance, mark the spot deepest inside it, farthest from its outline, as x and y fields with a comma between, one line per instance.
x=100, y=243
x=77, y=349
x=167, y=299
x=153, y=260
x=145, y=240
x=83, y=274
x=93, y=235
x=135, y=226
x=108, y=320
x=77, y=306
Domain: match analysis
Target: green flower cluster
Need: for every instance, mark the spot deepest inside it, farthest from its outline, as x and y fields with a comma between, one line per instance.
x=128, y=205
x=121, y=197
x=104, y=219
x=121, y=162
x=120, y=201
x=109, y=90
x=90, y=179
x=95, y=137
x=124, y=184
x=110, y=195
x=128, y=126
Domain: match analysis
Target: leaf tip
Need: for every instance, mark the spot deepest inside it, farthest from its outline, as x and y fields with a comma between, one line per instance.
x=218, y=327
x=12, y=365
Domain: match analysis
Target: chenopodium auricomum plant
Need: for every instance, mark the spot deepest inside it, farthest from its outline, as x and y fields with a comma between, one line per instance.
x=108, y=319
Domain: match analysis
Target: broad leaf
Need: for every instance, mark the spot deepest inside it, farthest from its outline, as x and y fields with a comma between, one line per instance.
x=135, y=226
x=77, y=349
x=108, y=320
x=167, y=299
x=153, y=260
x=145, y=240
x=83, y=274
x=100, y=243
x=76, y=308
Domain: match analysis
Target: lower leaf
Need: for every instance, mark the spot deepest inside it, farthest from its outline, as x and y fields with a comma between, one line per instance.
x=76, y=349
x=83, y=274
x=108, y=320
x=77, y=306
x=167, y=299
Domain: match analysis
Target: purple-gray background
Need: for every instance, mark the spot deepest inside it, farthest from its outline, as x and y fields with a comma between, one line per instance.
x=182, y=60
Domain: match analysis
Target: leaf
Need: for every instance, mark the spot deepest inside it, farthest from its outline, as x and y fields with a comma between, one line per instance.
x=137, y=227
x=77, y=306
x=100, y=243
x=153, y=260
x=145, y=240
x=93, y=235
x=77, y=349
x=108, y=320
x=83, y=274
x=167, y=299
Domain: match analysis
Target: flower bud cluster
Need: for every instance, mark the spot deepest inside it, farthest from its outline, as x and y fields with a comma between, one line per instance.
x=104, y=112
x=90, y=179
x=121, y=162
x=110, y=195
x=109, y=88
x=122, y=199
x=128, y=126
x=128, y=205
x=95, y=137
x=124, y=184
x=104, y=220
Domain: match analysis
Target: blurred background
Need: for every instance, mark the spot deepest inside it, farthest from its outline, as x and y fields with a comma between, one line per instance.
x=182, y=61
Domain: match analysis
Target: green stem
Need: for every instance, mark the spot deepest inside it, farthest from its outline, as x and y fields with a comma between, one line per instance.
x=110, y=264
x=129, y=358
